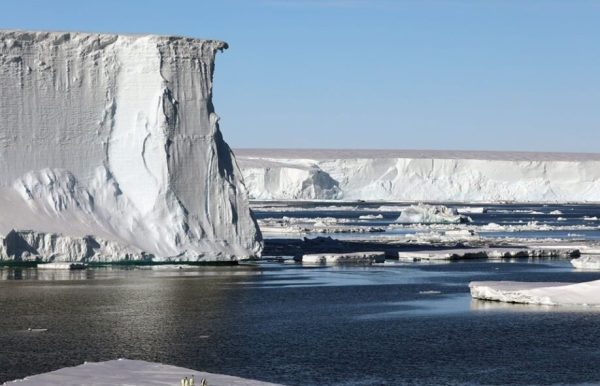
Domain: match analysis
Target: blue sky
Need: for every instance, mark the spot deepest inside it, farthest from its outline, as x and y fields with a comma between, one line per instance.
x=485, y=74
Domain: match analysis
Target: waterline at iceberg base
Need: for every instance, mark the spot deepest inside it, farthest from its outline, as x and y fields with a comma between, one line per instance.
x=110, y=149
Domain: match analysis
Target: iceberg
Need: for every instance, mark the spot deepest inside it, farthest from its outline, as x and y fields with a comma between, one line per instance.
x=431, y=214
x=412, y=175
x=110, y=143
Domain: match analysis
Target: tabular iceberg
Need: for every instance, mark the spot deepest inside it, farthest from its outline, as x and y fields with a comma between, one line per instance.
x=406, y=175
x=110, y=143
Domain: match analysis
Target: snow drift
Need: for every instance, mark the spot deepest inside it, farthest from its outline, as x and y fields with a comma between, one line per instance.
x=110, y=144
x=405, y=175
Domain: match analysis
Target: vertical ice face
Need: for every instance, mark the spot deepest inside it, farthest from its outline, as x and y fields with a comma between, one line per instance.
x=116, y=136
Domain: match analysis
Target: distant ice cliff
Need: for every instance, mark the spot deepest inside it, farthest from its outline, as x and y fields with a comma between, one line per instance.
x=406, y=175
x=110, y=149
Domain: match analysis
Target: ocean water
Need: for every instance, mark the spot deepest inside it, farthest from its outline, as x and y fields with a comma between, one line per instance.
x=401, y=324
x=398, y=324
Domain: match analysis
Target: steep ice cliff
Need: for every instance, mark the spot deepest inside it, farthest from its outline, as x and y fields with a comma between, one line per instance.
x=110, y=149
x=405, y=175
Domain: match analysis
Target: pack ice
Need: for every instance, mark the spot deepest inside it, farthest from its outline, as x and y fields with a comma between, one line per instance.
x=110, y=149
x=412, y=175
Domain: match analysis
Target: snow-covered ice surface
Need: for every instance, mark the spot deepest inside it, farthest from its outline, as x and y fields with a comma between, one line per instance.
x=411, y=175
x=550, y=294
x=110, y=145
x=127, y=372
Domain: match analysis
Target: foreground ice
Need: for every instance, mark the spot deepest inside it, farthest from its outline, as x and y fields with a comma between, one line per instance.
x=112, y=141
x=551, y=294
x=126, y=372
x=431, y=214
x=412, y=175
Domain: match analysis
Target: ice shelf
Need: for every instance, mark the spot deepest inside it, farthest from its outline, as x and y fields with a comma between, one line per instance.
x=110, y=144
x=412, y=175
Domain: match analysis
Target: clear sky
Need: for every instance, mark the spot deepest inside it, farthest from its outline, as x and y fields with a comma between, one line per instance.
x=482, y=74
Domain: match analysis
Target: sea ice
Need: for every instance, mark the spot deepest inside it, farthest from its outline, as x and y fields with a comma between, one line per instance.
x=344, y=258
x=587, y=262
x=485, y=253
x=550, y=294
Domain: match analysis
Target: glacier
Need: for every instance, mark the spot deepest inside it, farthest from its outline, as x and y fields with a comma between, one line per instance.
x=110, y=149
x=411, y=175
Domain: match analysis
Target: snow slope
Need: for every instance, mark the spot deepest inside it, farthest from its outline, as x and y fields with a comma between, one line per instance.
x=408, y=175
x=114, y=137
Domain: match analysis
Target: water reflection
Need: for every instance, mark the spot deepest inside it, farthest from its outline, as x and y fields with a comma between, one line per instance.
x=110, y=272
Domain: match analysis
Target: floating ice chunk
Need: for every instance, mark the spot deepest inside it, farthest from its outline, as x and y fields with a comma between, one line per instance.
x=344, y=258
x=556, y=212
x=371, y=217
x=485, y=253
x=391, y=208
x=471, y=210
x=431, y=214
x=587, y=262
x=588, y=218
x=67, y=266
x=551, y=294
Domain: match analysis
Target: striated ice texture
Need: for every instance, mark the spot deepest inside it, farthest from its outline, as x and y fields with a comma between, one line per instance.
x=110, y=146
x=405, y=175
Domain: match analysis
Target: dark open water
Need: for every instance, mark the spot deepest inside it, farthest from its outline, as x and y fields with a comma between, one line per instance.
x=392, y=325
x=325, y=326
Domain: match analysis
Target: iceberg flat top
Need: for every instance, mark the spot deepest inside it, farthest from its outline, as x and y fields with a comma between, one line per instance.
x=319, y=154
x=24, y=34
